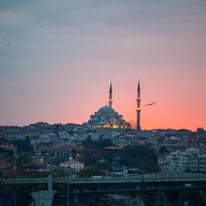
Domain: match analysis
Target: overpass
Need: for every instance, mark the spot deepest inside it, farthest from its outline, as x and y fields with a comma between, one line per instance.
x=167, y=178
x=161, y=183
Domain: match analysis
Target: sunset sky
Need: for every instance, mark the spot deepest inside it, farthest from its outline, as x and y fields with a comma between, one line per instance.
x=63, y=55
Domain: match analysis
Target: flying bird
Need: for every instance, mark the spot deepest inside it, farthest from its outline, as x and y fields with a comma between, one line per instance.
x=8, y=44
x=150, y=104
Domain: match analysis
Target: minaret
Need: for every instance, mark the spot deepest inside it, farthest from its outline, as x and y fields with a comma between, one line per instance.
x=70, y=156
x=110, y=95
x=138, y=107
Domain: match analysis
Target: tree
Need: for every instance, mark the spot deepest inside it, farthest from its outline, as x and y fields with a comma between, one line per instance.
x=103, y=165
x=38, y=174
x=82, y=157
x=89, y=143
x=88, y=139
x=134, y=162
x=74, y=152
x=162, y=149
x=141, y=152
x=124, y=160
x=100, y=138
x=150, y=166
x=55, y=160
x=133, y=124
x=91, y=171
x=90, y=159
x=105, y=143
x=112, y=157
x=59, y=172
x=23, y=159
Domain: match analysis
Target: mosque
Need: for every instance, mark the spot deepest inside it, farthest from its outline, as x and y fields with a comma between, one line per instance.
x=107, y=117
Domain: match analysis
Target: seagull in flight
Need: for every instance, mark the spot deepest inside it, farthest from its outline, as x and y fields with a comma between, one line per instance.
x=8, y=44
x=150, y=104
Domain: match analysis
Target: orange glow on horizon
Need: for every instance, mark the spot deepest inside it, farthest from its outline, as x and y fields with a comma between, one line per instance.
x=75, y=81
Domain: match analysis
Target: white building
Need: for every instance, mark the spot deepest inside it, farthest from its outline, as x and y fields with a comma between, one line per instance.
x=201, y=162
x=197, y=163
x=193, y=162
x=181, y=160
x=73, y=165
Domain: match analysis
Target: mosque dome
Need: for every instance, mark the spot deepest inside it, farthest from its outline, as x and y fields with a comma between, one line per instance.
x=33, y=129
x=106, y=109
x=44, y=137
x=52, y=135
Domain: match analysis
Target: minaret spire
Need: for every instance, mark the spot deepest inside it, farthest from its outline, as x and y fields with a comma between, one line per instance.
x=138, y=106
x=110, y=95
x=70, y=156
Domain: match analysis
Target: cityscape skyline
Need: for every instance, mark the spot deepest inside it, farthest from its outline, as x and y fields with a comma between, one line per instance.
x=58, y=58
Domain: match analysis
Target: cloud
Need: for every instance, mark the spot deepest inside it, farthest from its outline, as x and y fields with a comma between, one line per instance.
x=63, y=51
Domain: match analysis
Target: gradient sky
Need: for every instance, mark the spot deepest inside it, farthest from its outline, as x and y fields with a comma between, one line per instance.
x=63, y=55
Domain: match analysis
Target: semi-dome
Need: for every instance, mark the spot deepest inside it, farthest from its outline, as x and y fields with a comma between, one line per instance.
x=33, y=129
x=101, y=123
x=95, y=119
x=52, y=135
x=112, y=119
x=106, y=109
x=64, y=133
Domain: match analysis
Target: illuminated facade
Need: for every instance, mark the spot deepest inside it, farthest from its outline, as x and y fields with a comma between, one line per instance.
x=106, y=117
